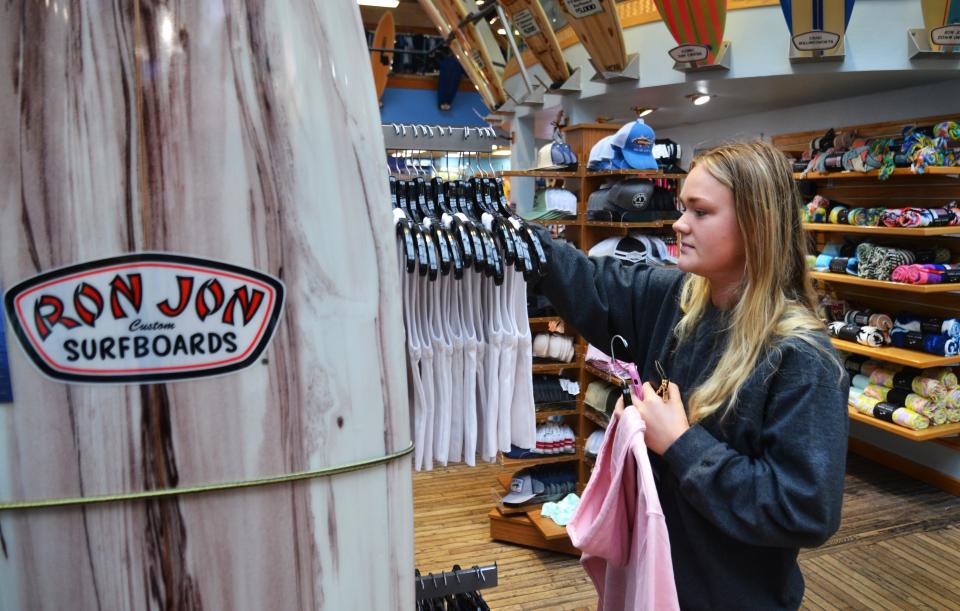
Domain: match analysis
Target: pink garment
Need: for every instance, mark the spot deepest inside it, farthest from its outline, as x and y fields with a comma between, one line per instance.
x=620, y=527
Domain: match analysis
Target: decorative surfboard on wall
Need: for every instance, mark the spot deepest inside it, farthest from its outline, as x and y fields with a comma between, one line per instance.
x=941, y=19
x=465, y=48
x=817, y=27
x=455, y=12
x=383, y=38
x=597, y=25
x=186, y=207
x=532, y=23
x=697, y=26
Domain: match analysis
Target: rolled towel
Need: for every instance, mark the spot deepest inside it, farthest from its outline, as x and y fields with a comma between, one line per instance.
x=909, y=419
x=838, y=214
x=944, y=375
x=891, y=217
x=882, y=377
x=940, y=344
x=823, y=263
x=928, y=387
x=952, y=398
x=862, y=382
x=907, y=321
x=881, y=321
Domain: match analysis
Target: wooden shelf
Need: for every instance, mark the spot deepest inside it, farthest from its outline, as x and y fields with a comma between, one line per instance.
x=932, y=432
x=555, y=367
x=573, y=222
x=550, y=530
x=900, y=231
x=519, y=529
x=658, y=224
x=544, y=319
x=883, y=284
x=593, y=416
x=540, y=173
x=638, y=173
x=931, y=171
x=546, y=459
x=891, y=354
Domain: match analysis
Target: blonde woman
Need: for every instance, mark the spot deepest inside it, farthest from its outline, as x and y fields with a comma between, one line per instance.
x=749, y=451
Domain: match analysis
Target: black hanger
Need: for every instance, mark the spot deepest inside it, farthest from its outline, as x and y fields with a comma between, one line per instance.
x=445, y=259
x=401, y=192
x=504, y=239
x=405, y=233
x=425, y=204
x=437, y=191
x=462, y=237
x=433, y=268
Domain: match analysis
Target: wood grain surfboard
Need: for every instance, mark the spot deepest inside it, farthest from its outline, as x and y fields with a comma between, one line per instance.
x=818, y=15
x=695, y=22
x=532, y=23
x=597, y=25
x=248, y=134
x=383, y=38
x=468, y=51
x=939, y=13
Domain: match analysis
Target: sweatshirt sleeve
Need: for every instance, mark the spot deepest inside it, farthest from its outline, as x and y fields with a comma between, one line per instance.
x=600, y=297
x=791, y=494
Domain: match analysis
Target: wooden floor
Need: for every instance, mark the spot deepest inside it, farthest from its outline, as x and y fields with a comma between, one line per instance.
x=898, y=546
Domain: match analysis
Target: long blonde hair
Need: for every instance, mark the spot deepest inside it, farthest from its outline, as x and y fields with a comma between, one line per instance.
x=776, y=298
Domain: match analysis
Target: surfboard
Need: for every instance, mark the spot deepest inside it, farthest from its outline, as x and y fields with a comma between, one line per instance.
x=475, y=63
x=383, y=38
x=941, y=19
x=695, y=23
x=531, y=21
x=817, y=26
x=455, y=12
x=597, y=24
x=117, y=185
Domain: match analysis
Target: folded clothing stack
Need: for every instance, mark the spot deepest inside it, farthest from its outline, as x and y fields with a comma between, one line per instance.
x=929, y=334
x=867, y=260
x=822, y=210
x=553, y=438
x=552, y=390
x=594, y=441
x=554, y=346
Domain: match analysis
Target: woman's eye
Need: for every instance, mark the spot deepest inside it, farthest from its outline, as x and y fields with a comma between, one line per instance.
x=700, y=213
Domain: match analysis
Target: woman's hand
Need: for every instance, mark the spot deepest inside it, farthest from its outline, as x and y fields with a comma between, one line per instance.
x=666, y=421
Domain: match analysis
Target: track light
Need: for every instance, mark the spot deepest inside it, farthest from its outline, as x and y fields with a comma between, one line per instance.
x=699, y=99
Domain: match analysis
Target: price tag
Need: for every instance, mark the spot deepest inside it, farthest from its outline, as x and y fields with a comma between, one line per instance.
x=526, y=23
x=583, y=8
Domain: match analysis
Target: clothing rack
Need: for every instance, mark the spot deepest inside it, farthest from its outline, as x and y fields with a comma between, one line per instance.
x=457, y=581
x=398, y=136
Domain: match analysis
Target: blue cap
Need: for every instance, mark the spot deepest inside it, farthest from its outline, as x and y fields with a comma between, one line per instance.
x=638, y=147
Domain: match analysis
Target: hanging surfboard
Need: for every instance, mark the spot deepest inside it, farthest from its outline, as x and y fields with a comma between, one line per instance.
x=532, y=23
x=455, y=12
x=468, y=51
x=381, y=61
x=941, y=19
x=209, y=410
x=597, y=24
x=697, y=26
x=817, y=27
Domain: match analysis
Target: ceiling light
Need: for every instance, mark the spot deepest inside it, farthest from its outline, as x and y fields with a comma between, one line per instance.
x=501, y=153
x=502, y=32
x=380, y=3
x=480, y=2
x=644, y=112
x=699, y=99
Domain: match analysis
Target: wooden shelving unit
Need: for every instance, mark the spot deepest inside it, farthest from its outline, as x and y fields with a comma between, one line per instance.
x=595, y=417
x=935, y=187
x=914, y=232
x=629, y=225
x=546, y=459
x=882, y=284
x=555, y=367
x=539, y=174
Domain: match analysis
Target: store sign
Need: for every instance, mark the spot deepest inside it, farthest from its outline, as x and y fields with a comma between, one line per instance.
x=6, y=380
x=583, y=8
x=145, y=317
x=689, y=53
x=816, y=41
x=526, y=23
x=946, y=35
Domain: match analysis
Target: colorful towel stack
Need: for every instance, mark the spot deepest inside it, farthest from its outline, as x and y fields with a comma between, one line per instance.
x=929, y=334
x=926, y=273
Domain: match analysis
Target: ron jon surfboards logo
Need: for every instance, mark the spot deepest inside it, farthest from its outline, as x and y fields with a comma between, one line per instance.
x=145, y=317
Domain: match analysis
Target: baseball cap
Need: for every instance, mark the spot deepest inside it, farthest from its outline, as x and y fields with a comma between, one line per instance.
x=602, y=155
x=626, y=200
x=635, y=141
x=552, y=204
x=523, y=487
x=555, y=156
x=628, y=249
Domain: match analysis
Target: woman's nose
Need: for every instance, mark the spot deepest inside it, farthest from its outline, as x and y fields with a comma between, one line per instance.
x=680, y=225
